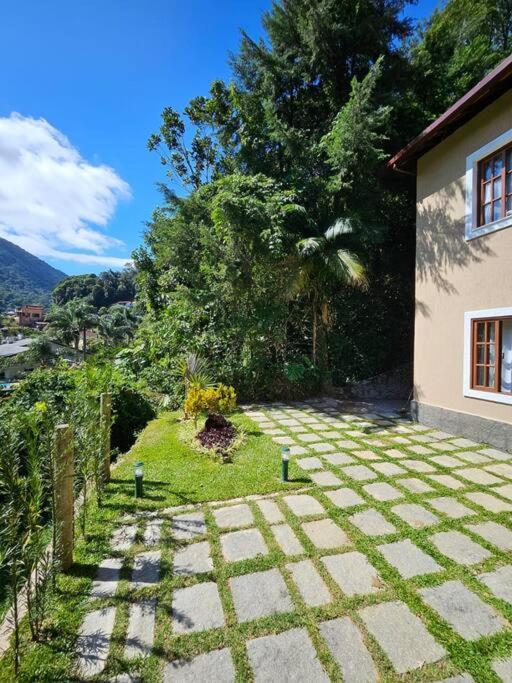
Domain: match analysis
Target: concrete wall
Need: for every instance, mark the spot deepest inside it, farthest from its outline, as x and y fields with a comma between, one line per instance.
x=454, y=275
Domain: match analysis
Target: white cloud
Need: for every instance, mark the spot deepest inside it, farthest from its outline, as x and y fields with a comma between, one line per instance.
x=53, y=202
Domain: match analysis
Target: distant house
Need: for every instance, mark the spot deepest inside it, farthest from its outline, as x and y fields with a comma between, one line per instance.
x=15, y=364
x=29, y=315
x=463, y=321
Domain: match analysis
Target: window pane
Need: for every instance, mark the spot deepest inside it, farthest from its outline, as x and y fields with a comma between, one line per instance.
x=491, y=331
x=509, y=159
x=496, y=210
x=490, y=382
x=509, y=183
x=480, y=332
x=480, y=353
x=508, y=209
x=487, y=213
x=496, y=189
x=492, y=353
x=487, y=170
x=497, y=165
x=480, y=376
x=487, y=192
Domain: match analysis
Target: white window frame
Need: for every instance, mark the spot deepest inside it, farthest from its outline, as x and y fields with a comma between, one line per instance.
x=469, y=316
x=472, y=190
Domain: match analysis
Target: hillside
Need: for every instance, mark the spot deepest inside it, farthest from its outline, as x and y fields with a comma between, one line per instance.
x=24, y=278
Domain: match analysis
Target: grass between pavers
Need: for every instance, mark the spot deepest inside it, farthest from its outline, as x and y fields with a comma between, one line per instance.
x=174, y=474
x=463, y=656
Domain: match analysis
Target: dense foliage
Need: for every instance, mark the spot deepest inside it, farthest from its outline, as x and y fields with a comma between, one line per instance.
x=24, y=279
x=288, y=261
x=101, y=290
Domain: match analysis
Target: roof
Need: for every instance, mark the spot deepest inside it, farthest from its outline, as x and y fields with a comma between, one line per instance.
x=13, y=348
x=492, y=86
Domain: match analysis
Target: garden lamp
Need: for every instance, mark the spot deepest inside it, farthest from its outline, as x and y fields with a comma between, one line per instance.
x=285, y=458
x=139, y=476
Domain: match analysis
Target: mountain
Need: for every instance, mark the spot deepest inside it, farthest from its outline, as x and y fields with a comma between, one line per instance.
x=24, y=278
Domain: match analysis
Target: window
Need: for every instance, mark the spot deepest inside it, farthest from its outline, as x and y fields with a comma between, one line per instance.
x=495, y=174
x=491, y=355
x=488, y=187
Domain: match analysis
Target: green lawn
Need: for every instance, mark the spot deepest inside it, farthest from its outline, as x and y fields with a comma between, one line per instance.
x=175, y=474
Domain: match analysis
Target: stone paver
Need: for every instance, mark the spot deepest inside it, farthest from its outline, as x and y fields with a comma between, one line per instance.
x=298, y=450
x=414, y=485
x=242, y=545
x=93, y=642
x=325, y=534
x=141, y=629
x=488, y=502
x=309, y=438
x=395, y=453
x=408, y=559
x=338, y=458
x=153, y=532
x=288, y=658
x=477, y=476
x=193, y=559
x=284, y=440
x=123, y=537
x=146, y=569
x=107, y=578
x=469, y=616
x=309, y=463
x=197, y=608
x=188, y=526
x=367, y=455
x=420, y=450
x=212, y=667
x=463, y=443
x=344, y=498
x=388, y=469
x=260, y=594
x=415, y=515
x=448, y=481
x=353, y=573
x=450, y=507
x=418, y=466
x=494, y=454
x=287, y=540
x=382, y=491
x=270, y=511
x=447, y=461
x=459, y=548
x=402, y=636
x=505, y=491
x=472, y=457
x=303, y=505
x=494, y=533
x=503, y=669
x=325, y=479
x=499, y=582
x=346, y=443
x=372, y=523
x=359, y=472
x=309, y=583
x=502, y=469
x=233, y=516
x=346, y=644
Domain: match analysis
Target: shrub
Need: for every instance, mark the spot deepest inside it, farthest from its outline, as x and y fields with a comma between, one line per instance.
x=220, y=399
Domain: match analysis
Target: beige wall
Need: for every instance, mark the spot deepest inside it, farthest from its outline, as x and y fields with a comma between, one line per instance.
x=454, y=276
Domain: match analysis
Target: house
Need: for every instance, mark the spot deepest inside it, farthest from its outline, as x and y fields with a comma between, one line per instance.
x=29, y=315
x=463, y=318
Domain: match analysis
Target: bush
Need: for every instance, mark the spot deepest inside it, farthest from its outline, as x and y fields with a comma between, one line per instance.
x=132, y=411
x=220, y=399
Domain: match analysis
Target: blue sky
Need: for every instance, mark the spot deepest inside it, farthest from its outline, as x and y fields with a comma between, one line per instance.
x=99, y=72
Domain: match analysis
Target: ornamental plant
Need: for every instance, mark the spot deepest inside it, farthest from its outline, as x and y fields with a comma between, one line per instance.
x=220, y=399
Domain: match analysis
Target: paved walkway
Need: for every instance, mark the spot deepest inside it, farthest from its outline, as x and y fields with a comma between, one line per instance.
x=394, y=563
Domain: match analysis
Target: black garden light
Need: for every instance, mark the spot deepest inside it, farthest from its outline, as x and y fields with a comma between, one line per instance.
x=139, y=476
x=285, y=459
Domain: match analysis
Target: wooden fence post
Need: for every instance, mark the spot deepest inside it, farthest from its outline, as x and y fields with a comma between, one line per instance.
x=64, y=497
x=105, y=426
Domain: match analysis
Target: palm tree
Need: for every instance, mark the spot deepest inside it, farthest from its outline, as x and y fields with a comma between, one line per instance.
x=117, y=324
x=322, y=262
x=72, y=321
x=41, y=351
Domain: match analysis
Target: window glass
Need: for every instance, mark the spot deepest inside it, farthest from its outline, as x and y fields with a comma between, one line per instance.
x=496, y=210
x=497, y=165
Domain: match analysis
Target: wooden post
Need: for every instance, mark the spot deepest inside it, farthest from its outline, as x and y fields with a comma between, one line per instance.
x=105, y=426
x=64, y=498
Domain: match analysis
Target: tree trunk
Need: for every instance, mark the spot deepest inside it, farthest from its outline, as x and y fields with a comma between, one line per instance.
x=315, y=324
x=84, y=342
x=77, y=341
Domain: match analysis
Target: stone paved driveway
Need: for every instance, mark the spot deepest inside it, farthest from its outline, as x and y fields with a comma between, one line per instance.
x=393, y=563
